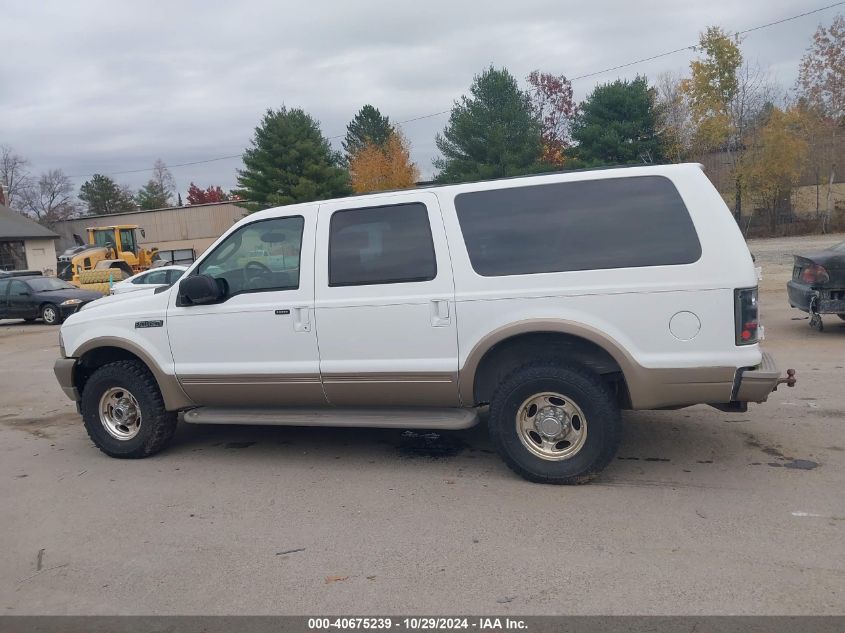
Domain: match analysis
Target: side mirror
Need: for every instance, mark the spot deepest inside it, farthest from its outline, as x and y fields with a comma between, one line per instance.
x=201, y=289
x=143, y=233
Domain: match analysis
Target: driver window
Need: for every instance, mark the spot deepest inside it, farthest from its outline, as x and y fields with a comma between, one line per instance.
x=263, y=255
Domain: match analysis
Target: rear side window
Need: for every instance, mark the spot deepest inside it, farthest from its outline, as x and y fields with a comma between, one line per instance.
x=584, y=225
x=381, y=245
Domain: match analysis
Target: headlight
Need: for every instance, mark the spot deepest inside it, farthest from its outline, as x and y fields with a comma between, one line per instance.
x=71, y=302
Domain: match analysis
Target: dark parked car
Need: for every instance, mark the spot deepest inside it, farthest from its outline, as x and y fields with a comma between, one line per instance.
x=49, y=298
x=19, y=273
x=818, y=284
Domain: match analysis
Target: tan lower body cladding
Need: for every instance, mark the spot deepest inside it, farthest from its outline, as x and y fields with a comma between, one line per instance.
x=345, y=390
x=649, y=389
x=657, y=388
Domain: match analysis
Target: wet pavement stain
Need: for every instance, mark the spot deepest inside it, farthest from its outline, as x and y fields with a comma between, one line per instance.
x=238, y=444
x=431, y=445
x=796, y=464
x=774, y=452
x=801, y=464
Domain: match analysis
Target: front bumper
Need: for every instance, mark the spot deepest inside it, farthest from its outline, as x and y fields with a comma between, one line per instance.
x=66, y=311
x=755, y=384
x=64, y=369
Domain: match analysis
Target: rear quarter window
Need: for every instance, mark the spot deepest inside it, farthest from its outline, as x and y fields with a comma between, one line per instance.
x=584, y=225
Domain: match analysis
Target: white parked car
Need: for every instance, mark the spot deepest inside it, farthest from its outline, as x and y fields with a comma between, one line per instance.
x=555, y=300
x=153, y=278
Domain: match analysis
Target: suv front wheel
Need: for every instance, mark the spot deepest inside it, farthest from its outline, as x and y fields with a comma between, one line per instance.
x=555, y=423
x=124, y=413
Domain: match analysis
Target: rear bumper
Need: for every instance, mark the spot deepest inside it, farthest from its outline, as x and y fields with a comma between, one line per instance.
x=64, y=369
x=756, y=383
x=827, y=301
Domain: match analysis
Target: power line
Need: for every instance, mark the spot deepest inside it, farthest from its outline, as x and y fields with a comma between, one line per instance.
x=442, y=112
x=692, y=46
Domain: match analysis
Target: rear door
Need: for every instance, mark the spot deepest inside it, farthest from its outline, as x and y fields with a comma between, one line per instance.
x=384, y=303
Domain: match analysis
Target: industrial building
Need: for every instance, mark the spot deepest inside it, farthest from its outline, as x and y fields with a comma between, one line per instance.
x=175, y=228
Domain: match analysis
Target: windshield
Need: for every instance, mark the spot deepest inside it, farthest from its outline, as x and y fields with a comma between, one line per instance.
x=104, y=237
x=49, y=283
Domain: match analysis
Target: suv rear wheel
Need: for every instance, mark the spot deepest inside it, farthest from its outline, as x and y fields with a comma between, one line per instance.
x=124, y=413
x=555, y=423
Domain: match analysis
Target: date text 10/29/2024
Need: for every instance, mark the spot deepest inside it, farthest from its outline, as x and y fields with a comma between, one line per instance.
x=418, y=623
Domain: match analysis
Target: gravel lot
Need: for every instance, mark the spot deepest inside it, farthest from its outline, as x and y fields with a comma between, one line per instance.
x=703, y=513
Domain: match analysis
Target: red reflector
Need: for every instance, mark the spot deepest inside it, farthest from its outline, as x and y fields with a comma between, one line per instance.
x=745, y=335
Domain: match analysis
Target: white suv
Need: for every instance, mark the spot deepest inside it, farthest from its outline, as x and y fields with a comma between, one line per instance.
x=557, y=300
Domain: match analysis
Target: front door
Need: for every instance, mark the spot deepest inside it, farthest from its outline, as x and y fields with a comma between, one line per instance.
x=22, y=304
x=4, y=298
x=384, y=302
x=258, y=346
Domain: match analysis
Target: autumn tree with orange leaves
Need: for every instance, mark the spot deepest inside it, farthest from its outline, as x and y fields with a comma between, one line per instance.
x=554, y=105
x=378, y=167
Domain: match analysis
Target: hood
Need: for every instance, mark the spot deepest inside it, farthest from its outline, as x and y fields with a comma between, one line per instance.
x=57, y=296
x=127, y=302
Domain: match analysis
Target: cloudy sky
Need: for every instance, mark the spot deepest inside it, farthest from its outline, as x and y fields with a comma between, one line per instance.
x=109, y=86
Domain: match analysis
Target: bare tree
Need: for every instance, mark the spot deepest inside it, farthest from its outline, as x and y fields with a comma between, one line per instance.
x=676, y=126
x=745, y=110
x=14, y=176
x=821, y=85
x=52, y=199
x=163, y=178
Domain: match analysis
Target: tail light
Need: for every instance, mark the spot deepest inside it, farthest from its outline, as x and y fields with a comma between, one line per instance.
x=746, y=314
x=815, y=274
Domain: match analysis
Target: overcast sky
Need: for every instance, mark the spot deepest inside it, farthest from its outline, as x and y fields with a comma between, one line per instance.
x=108, y=86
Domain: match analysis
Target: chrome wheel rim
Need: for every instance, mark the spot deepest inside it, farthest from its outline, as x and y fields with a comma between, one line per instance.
x=120, y=413
x=49, y=315
x=551, y=426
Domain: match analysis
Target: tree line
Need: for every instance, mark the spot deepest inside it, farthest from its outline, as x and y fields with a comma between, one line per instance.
x=723, y=104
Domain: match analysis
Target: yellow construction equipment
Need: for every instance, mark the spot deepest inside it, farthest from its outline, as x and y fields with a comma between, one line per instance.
x=111, y=254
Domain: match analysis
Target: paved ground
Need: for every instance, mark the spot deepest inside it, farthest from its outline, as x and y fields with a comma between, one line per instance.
x=703, y=512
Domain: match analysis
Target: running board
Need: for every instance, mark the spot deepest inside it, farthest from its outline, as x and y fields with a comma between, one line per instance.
x=440, y=419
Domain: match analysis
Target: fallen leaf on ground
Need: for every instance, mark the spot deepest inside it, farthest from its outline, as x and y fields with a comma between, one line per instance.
x=331, y=579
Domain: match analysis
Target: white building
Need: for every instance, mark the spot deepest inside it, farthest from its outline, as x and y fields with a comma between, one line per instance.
x=24, y=244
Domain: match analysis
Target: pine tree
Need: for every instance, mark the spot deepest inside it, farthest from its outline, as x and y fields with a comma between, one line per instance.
x=289, y=161
x=494, y=132
x=103, y=195
x=152, y=196
x=368, y=127
x=617, y=125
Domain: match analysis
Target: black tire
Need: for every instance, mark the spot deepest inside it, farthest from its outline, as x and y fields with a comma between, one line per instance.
x=583, y=388
x=50, y=314
x=157, y=425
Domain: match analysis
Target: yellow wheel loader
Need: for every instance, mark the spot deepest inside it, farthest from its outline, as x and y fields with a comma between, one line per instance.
x=111, y=254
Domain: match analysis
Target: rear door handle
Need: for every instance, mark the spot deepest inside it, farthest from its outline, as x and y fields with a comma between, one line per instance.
x=439, y=312
x=302, y=319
